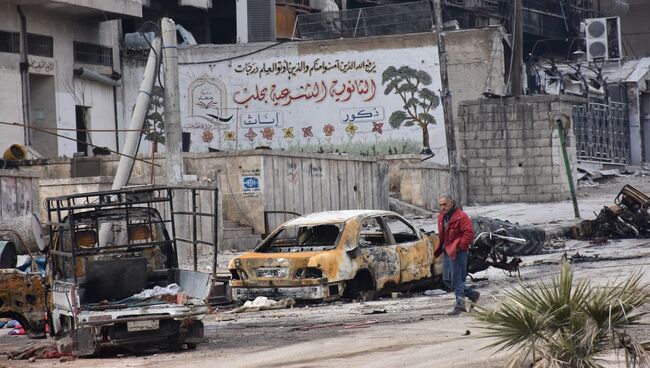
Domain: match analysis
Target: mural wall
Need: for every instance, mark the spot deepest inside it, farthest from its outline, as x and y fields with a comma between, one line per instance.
x=364, y=101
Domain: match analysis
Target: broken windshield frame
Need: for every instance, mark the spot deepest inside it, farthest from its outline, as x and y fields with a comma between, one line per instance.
x=302, y=238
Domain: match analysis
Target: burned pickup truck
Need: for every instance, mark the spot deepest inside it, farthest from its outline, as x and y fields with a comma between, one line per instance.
x=328, y=255
x=113, y=278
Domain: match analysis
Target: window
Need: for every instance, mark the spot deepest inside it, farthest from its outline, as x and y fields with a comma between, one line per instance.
x=87, y=53
x=304, y=238
x=10, y=42
x=401, y=230
x=39, y=45
x=371, y=233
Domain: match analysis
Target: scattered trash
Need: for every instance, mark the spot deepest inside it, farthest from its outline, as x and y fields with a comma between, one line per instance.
x=16, y=332
x=36, y=350
x=580, y=258
x=264, y=303
x=467, y=333
x=171, y=289
x=395, y=295
x=435, y=292
x=375, y=311
x=13, y=324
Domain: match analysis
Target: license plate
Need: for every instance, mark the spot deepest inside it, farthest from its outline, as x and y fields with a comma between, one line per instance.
x=142, y=325
x=272, y=272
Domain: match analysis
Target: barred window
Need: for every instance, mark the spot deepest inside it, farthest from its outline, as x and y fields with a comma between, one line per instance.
x=10, y=42
x=40, y=45
x=87, y=53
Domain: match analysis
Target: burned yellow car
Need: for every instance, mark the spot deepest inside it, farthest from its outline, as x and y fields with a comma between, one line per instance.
x=327, y=255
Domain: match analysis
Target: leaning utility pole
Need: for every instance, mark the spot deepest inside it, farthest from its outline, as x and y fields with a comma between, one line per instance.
x=517, y=48
x=447, y=108
x=172, y=119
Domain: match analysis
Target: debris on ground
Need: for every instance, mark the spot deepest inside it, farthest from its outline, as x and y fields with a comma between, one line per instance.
x=535, y=237
x=347, y=326
x=264, y=303
x=434, y=292
x=374, y=311
x=488, y=250
x=628, y=217
x=36, y=350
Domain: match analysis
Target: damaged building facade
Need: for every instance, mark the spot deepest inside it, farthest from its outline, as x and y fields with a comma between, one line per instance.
x=59, y=68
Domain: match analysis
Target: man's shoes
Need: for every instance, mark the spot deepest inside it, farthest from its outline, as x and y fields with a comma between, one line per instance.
x=474, y=299
x=456, y=311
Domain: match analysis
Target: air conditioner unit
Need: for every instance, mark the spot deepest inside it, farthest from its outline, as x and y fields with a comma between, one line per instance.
x=603, y=38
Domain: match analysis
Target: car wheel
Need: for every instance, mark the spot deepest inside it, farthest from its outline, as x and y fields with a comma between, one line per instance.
x=361, y=288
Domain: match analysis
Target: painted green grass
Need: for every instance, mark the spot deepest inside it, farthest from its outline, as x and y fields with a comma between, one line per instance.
x=361, y=148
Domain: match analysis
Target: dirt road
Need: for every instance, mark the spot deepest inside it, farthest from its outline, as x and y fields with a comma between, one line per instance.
x=412, y=330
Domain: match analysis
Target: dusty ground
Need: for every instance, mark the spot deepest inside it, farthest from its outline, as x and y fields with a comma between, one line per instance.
x=414, y=330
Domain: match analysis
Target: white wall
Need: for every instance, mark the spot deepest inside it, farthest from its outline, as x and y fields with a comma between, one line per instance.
x=69, y=91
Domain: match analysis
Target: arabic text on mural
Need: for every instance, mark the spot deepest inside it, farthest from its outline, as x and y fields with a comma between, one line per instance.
x=303, y=67
x=317, y=92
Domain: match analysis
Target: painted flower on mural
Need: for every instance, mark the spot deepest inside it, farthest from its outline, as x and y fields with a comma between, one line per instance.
x=288, y=132
x=328, y=129
x=351, y=129
x=250, y=134
x=306, y=132
x=207, y=136
x=377, y=127
x=268, y=133
x=229, y=136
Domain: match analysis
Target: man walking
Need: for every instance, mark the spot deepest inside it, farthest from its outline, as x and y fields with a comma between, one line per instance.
x=456, y=235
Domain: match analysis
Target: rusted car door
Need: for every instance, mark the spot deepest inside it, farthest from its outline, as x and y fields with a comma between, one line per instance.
x=415, y=255
x=381, y=256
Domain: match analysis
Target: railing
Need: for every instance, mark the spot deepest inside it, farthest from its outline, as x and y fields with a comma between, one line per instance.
x=602, y=132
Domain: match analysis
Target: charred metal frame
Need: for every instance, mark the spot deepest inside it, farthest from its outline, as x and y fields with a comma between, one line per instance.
x=63, y=211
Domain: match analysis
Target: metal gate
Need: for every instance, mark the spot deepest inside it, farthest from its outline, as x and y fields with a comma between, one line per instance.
x=602, y=132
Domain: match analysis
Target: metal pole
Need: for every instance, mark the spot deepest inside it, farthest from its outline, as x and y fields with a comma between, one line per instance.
x=569, y=174
x=173, y=131
x=517, y=48
x=447, y=107
x=134, y=134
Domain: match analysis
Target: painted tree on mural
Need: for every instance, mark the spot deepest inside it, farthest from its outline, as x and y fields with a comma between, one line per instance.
x=419, y=101
x=154, y=119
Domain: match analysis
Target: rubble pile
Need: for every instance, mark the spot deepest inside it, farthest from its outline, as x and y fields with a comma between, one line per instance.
x=628, y=217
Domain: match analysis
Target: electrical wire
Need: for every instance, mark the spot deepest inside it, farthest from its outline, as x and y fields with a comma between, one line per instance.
x=78, y=141
x=233, y=57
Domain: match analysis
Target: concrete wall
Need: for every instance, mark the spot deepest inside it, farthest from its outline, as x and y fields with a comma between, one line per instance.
x=18, y=194
x=511, y=152
x=251, y=86
x=68, y=91
x=296, y=182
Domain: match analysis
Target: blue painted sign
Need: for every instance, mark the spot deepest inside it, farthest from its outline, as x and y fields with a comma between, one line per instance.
x=251, y=182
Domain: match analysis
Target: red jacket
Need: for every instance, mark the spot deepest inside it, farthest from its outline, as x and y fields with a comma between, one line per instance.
x=459, y=233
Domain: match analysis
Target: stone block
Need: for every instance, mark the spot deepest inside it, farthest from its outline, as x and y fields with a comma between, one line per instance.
x=542, y=161
x=531, y=151
x=516, y=189
x=494, y=162
x=498, y=171
x=546, y=151
x=541, y=180
x=498, y=152
x=510, y=198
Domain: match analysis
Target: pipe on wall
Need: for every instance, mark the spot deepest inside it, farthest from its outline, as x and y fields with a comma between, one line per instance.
x=24, y=75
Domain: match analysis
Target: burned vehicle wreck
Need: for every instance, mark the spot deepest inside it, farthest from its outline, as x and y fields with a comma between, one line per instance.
x=328, y=255
x=112, y=278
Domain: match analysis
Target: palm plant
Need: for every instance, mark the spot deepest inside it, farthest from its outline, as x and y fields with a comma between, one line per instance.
x=567, y=323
